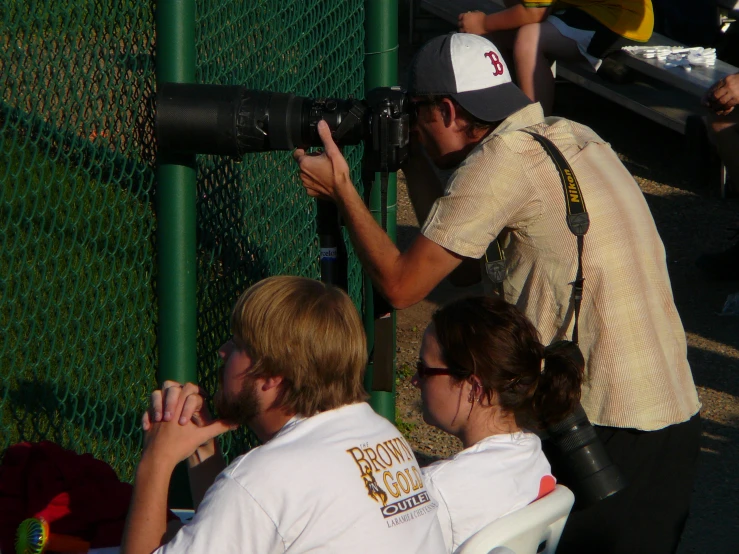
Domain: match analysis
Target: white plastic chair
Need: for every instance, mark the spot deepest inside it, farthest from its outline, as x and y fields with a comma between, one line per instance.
x=185, y=515
x=522, y=531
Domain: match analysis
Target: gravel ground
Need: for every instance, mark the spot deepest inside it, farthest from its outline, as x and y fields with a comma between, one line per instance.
x=690, y=222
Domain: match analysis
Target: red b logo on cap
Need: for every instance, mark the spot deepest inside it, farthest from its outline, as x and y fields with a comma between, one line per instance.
x=497, y=64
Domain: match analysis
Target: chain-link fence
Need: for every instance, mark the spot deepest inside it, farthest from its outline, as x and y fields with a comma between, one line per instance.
x=77, y=184
x=254, y=218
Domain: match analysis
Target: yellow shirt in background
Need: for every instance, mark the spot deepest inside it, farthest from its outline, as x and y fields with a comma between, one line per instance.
x=632, y=19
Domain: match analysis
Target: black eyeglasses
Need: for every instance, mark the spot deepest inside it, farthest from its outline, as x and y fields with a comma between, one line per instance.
x=426, y=371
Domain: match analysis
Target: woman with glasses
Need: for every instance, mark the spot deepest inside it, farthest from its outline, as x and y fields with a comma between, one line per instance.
x=485, y=378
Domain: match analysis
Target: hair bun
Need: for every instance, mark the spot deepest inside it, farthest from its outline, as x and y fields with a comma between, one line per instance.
x=555, y=346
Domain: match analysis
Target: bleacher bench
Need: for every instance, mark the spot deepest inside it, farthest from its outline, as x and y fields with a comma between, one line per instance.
x=668, y=96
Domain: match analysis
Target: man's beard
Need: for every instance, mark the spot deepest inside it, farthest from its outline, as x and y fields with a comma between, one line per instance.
x=240, y=410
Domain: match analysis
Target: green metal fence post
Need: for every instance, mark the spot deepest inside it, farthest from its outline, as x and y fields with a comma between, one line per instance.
x=381, y=70
x=176, y=195
x=175, y=43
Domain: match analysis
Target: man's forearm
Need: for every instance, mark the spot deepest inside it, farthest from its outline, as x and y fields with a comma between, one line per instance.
x=403, y=279
x=147, y=518
x=379, y=256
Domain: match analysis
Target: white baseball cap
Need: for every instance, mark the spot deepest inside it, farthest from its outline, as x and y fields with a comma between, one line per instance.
x=470, y=69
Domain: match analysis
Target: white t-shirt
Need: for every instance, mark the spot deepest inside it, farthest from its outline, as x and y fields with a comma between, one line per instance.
x=484, y=482
x=341, y=481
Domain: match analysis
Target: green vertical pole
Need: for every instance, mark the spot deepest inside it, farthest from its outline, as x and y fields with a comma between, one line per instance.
x=381, y=70
x=175, y=44
x=175, y=202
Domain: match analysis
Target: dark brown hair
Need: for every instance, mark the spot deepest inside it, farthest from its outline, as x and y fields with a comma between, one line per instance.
x=310, y=334
x=492, y=340
x=474, y=125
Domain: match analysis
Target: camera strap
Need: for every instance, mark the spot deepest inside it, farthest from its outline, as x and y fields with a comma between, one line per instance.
x=384, y=169
x=578, y=222
x=353, y=117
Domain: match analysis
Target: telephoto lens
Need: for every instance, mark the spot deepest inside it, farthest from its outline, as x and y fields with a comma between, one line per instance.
x=232, y=120
x=586, y=467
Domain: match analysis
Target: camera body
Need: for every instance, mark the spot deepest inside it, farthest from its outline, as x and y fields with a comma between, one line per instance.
x=386, y=146
x=233, y=120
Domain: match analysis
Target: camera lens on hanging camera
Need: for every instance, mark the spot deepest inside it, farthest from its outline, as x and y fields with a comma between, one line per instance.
x=586, y=466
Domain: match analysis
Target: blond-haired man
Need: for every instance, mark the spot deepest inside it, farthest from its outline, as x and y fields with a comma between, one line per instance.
x=330, y=476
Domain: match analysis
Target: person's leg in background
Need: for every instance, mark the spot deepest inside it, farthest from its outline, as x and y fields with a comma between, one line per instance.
x=723, y=132
x=505, y=40
x=534, y=49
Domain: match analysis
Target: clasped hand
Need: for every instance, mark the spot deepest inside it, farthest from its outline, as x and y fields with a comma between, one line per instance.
x=178, y=423
x=323, y=174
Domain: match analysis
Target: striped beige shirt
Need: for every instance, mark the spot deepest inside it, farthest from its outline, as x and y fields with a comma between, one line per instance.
x=637, y=372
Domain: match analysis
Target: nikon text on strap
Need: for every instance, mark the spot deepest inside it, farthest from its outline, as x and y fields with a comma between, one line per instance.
x=577, y=221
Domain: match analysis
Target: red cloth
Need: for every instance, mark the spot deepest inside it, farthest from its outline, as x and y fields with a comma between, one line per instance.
x=77, y=494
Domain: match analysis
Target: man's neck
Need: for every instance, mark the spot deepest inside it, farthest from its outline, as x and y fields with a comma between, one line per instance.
x=267, y=424
x=476, y=139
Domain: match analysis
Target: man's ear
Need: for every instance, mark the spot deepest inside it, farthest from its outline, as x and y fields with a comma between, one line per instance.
x=448, y=112
x=271, y=383
x=451, y=116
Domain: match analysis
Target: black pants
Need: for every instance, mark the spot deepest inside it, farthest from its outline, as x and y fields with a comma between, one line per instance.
x=649, y=515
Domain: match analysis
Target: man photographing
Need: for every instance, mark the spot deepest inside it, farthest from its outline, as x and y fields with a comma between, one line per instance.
x=638, y=389
x=330, y=476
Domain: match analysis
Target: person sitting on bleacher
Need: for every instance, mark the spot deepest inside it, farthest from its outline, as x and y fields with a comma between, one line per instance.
x=331, y=475
x=549, y=30
x=485, y=378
